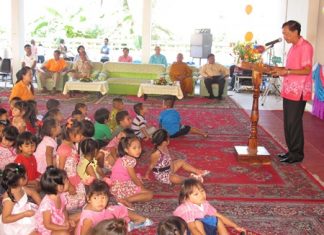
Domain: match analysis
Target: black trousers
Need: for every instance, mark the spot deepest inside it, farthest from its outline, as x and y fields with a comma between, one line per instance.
x=293, y=124
x=220, y=80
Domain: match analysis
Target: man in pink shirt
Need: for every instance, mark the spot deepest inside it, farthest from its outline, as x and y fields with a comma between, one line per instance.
x=125, y=57
x=296, y=90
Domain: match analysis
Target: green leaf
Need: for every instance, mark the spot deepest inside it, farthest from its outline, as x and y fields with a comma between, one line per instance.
x=83, y=18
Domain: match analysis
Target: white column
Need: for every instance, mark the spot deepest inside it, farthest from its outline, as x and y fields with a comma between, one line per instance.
x=146, y=30
x=17, y=35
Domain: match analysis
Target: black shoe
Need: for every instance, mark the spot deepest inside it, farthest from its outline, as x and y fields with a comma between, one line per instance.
x=282, y=155
x=295, y=160
x=286, y=159
x=210, y=97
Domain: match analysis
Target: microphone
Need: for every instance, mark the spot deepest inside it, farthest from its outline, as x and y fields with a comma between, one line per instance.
x=273, y=42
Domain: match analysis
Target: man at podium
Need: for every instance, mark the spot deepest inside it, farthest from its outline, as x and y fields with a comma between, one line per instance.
x=296, y=89
x=214, y=73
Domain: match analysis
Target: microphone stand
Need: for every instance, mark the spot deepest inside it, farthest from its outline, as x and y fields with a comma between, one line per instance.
x=270, y=80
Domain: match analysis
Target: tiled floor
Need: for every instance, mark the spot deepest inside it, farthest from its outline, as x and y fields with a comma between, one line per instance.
x=271, y=119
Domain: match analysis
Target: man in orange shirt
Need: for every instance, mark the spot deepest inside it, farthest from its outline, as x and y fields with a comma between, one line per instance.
x=53, y=69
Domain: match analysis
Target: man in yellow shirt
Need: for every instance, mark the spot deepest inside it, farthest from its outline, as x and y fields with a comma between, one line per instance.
x=214, y=73
x=53, y=69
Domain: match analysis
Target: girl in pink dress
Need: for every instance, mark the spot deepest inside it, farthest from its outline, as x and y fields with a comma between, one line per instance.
x=201, y=217
x=51, y=216
x=46, y=150
x=127, y=187
x=68, y=159
x=18, y=215
x=7, y=151
x=164, y=168
x=97, y=209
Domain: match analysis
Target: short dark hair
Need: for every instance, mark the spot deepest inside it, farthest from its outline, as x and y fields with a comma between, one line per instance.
x=58, y=52
x=10, y=133
x=27, y=45
x=76, y=112
x=120, y=116
x=51, y=113
x=172, y=225
x=51, y=178
x=98, y=187
x=3, y=111
x=22, y=106
x=137, y=108
x=169, y=102
x=47, y=127
x=15, y=99
x=25, y=138
x=102, y=115
x=88, y=130
x=210, y=55
x=110, y=227
x=52, y=104
x=292, y=26
x=117, y=100
x=79, y=106
x=126, y=49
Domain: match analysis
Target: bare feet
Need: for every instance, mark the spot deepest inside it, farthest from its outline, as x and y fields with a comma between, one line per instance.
x=126, y=203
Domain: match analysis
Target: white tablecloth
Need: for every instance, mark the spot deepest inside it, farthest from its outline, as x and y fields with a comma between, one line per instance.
x=99, y=86
x=150, y=89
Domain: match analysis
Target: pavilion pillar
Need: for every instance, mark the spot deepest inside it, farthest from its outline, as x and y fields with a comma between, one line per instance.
x=146, y=30
x=17, y=35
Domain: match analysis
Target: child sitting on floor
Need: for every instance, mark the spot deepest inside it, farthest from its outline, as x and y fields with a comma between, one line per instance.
x=25, y=148
x=139, y=124
x=170, y=120
x=88, y=168
x=97, y=210
x=19, y=110
x=111, y=227
x=17, y=213
x=52, y=104
x=117, y=106
x=102, y=132
x=162, y=165
x=123, y=121
x=7, y=149
x=200, y=216
x=127, y=187
x=82, y=107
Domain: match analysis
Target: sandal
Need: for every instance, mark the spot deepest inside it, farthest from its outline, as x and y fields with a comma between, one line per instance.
x=197, y=177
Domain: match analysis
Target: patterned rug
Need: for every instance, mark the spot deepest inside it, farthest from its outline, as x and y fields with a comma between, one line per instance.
x=267, y=199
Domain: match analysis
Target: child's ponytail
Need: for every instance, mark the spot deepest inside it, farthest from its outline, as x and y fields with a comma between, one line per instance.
x=10, y=177
x=124, y=143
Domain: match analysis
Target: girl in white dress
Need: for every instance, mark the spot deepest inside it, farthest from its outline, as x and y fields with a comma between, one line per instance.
x=18, y=214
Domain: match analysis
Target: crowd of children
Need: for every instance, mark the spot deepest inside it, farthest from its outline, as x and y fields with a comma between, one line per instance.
x=69, y=167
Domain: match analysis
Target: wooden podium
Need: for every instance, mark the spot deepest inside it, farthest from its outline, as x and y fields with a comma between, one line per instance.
x=252, y=153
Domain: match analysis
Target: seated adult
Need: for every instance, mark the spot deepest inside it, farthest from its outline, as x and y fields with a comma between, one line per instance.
x=77, y=56
x=53, y=69
x=23, y=88
x=82, y=67
x=214, y=73
x=181, y=72
x=125, y=57
x=158, y=58
x=29, y=59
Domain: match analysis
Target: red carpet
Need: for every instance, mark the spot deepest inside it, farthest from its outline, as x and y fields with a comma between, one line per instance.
x=274, y=199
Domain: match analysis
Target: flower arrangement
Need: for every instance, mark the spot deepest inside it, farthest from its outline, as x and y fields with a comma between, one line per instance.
x=248, y=52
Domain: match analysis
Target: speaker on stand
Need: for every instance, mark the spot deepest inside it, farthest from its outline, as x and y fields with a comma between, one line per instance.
x=200, y=44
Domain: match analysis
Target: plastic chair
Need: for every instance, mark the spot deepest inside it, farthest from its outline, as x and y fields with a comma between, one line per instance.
x=5, y=71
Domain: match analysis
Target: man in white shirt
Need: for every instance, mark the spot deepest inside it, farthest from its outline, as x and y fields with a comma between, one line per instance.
x=214, y=73
x=29, y=59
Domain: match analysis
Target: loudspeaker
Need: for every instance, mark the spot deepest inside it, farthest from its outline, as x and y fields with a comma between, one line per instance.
x=201, y=43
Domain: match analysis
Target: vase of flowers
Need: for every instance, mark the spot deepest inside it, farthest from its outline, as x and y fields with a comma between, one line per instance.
x=248, y=52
